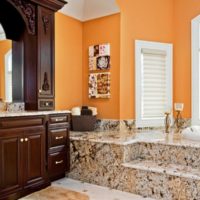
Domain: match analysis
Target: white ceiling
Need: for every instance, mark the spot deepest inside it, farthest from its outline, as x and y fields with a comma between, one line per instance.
x=84, y=10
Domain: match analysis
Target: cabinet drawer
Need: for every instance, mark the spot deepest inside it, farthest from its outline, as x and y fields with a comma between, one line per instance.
x=21, y=122
x=58, y=137
x=58, y=119
x=46, y=104
x=57, y=163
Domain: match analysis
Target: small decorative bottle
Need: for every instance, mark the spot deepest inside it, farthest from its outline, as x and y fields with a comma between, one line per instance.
x=167, y=122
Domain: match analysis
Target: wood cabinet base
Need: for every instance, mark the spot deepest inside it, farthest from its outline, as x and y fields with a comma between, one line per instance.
x=34, y=150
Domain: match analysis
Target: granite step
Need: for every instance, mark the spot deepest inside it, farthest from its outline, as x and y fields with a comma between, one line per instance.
x=178, y=154
x=160, y=167
x=163, y=180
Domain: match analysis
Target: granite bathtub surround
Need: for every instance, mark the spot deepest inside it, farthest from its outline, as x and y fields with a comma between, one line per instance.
x=127, y=125
x=114, y=125
x=15, y=107
x=151, y=164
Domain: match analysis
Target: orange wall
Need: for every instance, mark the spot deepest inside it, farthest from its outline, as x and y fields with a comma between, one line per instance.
x=5, y=46
x=185, y=11
x=98, y=31
x=164, y=21
x=68, y=62
x=144, y=20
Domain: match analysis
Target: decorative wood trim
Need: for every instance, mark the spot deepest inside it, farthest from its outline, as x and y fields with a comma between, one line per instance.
x=28, y=12
x=45, y=20
x=45, y=85
x=54, y=5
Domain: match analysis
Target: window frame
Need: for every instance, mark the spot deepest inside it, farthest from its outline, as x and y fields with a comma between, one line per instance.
x=168, y=48
x=8, y=56
x=195, y=50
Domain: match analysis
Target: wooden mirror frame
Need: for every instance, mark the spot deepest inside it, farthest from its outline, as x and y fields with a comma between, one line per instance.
x=30, y=25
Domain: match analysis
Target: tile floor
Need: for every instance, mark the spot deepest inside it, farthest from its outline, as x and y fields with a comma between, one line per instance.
x=97, y=192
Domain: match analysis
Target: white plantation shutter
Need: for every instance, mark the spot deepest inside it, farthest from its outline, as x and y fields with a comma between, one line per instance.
x=154, y=87
x=153, y=82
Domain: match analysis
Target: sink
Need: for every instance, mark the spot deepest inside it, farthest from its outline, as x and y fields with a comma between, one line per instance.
x=191, y=133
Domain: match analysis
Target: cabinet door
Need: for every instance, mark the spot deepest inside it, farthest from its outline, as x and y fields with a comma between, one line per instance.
x=45, y=53
x=57, y=164
x=11, y=168
x=34, y=157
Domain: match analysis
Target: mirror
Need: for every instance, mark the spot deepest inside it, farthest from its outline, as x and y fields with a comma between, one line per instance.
x=5, y=67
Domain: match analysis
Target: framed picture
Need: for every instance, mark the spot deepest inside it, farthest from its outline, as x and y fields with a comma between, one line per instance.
x=99, y=85
x=103, y=62
x=99, y=57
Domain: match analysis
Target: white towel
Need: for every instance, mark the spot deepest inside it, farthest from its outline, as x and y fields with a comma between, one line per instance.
x=76, y=111
x=94, y=110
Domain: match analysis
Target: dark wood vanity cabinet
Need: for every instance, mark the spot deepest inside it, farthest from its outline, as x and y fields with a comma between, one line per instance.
x=11, y=173
x=58, y=145
x=22, y=156
x=34, y=150
x=39, y=92
x=45, y=64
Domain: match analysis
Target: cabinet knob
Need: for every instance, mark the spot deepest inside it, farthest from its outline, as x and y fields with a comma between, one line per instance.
x=22, y=140
x=26, y=139
x=40, y=91
x=59, y=137
x=59, y=162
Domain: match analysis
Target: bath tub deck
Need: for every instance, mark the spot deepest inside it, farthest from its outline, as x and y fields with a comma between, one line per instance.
x=151, y=164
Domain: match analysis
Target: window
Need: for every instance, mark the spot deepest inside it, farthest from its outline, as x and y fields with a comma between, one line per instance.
x=8, y=76
x=153, y=82
x=196, y=71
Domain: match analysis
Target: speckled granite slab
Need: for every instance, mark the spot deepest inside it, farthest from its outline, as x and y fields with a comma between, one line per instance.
x=31, y=113
x=127, y=125
x=15, y=107
x=150, y=164
x=132, y=137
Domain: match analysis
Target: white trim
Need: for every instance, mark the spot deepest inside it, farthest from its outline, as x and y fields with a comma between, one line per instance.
x=168, y=48
x=195, y=71
x=2, y=36
x=8, y=98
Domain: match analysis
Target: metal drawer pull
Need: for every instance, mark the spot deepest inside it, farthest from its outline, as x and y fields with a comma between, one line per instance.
x=59, y=119
x=21, y=140
x=59, y=138
x=26, y=139
x=59, y=162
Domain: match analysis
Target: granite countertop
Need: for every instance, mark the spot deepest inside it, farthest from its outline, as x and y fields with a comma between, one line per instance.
x=130, y=137
x=31, y=113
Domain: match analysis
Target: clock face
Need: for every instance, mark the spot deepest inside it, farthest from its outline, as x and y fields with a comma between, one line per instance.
x=103, y=62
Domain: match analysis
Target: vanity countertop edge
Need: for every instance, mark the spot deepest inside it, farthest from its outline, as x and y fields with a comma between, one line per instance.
x=32, y=113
